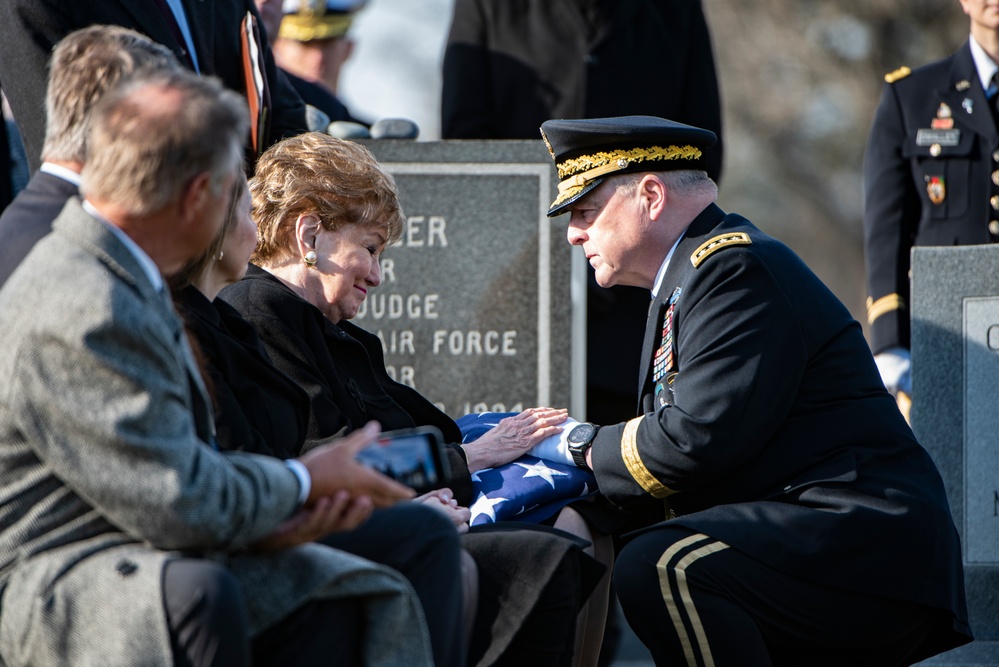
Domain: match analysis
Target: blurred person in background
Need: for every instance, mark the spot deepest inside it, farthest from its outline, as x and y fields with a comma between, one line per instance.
x=73, y=90
x=311, y=46
x=204, y=36
x=13, y=160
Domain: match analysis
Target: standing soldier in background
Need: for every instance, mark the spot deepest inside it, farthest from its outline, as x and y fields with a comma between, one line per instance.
x=311, y=45
x=931, y=178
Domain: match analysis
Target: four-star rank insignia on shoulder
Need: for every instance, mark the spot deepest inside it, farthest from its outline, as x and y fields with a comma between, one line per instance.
x=716, y=243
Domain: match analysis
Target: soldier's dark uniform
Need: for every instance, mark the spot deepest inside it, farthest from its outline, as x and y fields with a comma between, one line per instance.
x=931, y=177
x=768, y=457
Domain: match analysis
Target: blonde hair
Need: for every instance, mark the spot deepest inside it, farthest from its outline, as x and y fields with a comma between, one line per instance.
x=152, y=135
x=339, y=181
x=85, y=65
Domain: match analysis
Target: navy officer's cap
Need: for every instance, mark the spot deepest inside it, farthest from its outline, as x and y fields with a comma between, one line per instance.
x=587, y=151
x=317, y=20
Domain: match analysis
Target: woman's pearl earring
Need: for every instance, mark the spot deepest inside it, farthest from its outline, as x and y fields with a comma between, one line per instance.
x=310, y=258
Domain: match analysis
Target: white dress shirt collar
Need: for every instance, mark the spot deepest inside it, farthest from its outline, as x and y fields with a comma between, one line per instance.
x=983, y=63
x=662, y=269
x=62, y=172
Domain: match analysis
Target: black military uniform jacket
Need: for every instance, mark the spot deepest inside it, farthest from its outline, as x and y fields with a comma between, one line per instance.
x=765, y=425
x=931, y=177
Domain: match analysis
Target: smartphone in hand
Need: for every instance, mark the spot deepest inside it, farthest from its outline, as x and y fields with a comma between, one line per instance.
x=414, y=457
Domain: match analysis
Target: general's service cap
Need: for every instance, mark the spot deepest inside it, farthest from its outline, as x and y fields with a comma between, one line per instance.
x=587, y=151
x=308, y=20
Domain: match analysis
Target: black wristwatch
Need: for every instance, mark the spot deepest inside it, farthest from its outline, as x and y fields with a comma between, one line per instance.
x=580, y=439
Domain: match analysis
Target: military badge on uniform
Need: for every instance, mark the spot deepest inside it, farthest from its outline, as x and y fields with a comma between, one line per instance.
x=937, y=138
x=968, y=104
x=664, y=391
x=944, y=119
x=963, y=84
x=662, y=362
x=936, y=189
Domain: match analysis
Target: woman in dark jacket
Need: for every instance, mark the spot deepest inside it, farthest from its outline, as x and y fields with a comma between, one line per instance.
x=325, y=211
x=260, y=409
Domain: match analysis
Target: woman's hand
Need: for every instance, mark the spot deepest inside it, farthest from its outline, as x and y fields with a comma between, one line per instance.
x=513, y=436
x=327, y=515
x=443, y=501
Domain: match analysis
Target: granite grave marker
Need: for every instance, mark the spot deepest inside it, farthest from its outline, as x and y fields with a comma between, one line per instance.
x=955, y=415
x=481, y=305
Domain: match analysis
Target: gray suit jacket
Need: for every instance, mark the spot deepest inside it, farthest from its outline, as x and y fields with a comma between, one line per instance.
x=105, y=475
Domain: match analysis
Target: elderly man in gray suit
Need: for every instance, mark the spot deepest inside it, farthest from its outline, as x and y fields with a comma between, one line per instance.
x=125, y=538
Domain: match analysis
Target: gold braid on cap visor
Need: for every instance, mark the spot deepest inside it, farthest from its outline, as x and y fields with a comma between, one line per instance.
x=579, y=171
x=306, y=28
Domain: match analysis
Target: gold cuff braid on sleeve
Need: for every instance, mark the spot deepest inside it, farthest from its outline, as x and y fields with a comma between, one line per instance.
x=629, y=453
x=885, y=304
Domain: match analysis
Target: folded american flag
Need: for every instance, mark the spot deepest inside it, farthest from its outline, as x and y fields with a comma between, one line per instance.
x=529, y=489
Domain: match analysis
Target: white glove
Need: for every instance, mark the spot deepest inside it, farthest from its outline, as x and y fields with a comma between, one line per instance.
x=554, y=447
x=895, y=366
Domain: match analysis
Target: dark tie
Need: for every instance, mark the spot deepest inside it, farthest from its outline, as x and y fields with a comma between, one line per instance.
x=992, y=95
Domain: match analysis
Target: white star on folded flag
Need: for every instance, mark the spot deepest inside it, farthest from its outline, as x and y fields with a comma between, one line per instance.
x=539, y=469
x=528, y=489
x=484, y=506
